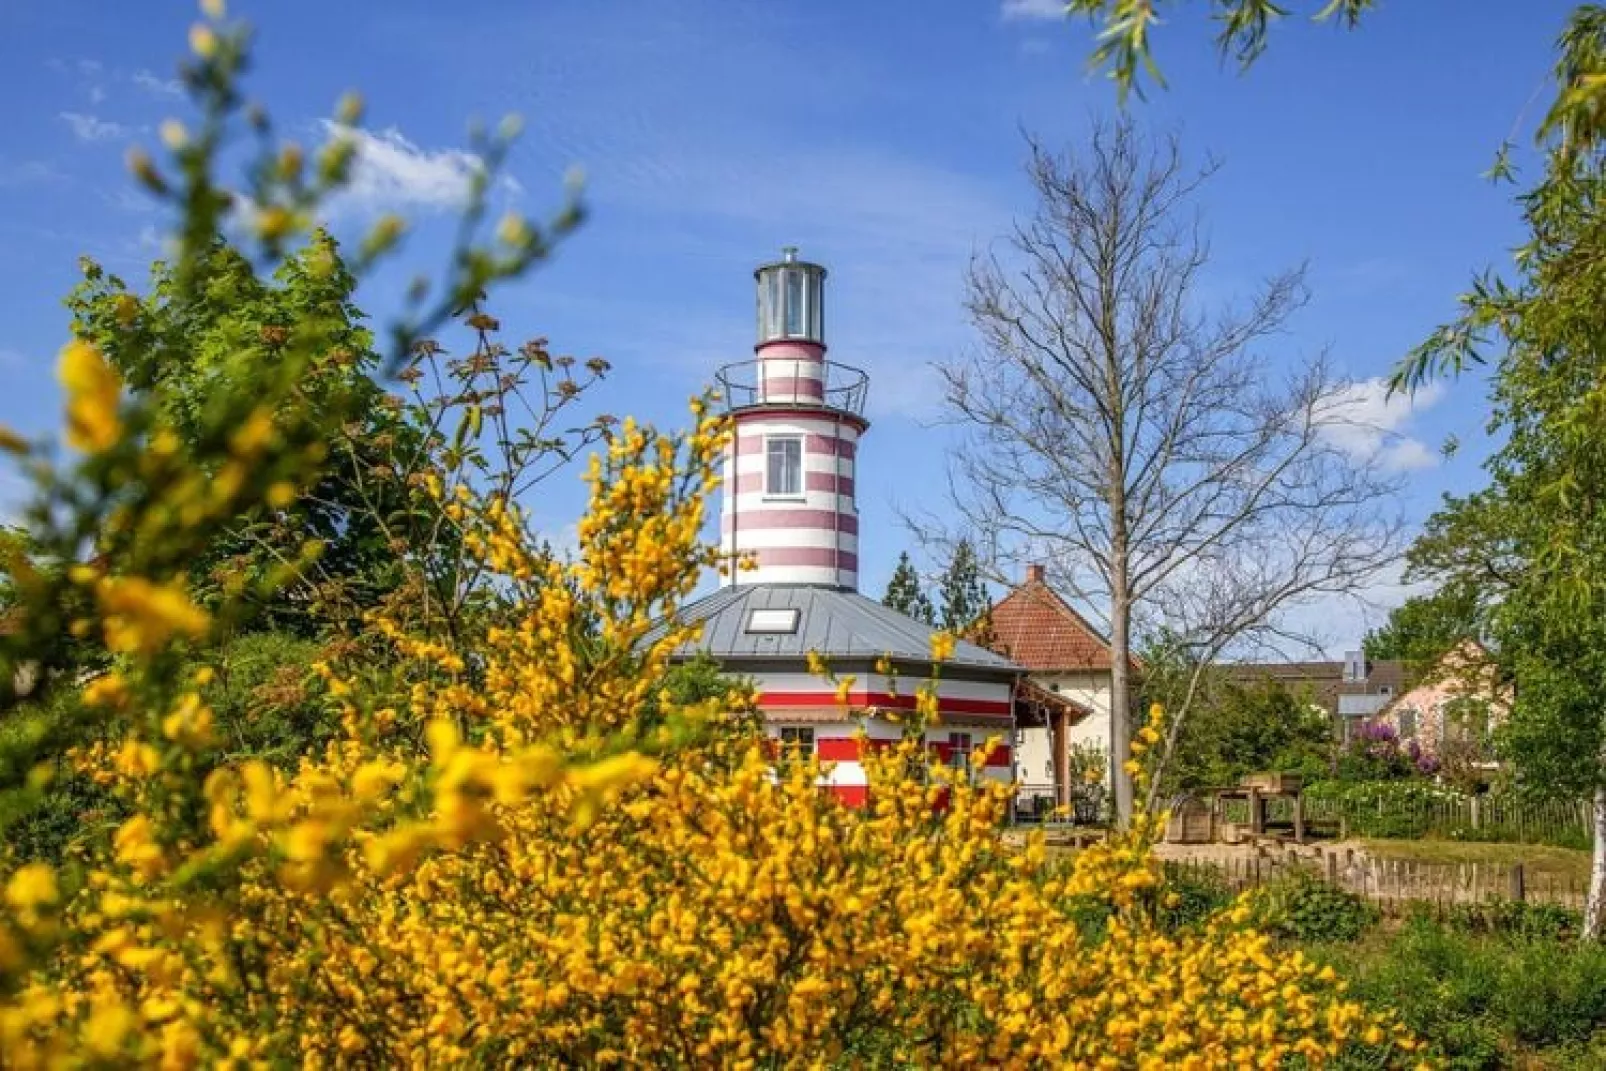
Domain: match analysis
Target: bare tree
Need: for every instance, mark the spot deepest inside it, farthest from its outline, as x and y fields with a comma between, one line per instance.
x=1140, y=447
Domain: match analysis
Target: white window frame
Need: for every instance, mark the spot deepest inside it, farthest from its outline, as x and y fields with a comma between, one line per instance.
x=770, y=491
x=1408, y=714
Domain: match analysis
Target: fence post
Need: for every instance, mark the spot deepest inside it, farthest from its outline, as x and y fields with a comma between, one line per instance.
x=1476, y=824
x=1332, y=868
x=1519, y=888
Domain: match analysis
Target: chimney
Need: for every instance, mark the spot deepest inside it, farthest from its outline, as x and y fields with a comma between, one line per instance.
x=1034, y=572
x=1355, y=667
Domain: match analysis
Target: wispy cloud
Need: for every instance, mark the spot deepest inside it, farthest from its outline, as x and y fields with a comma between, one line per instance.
x=27, y=172
x=93, y=76
x=1366, y=422
x=93, y=128
x=895, y=232
x=156, y=85
x=1023, y=10
x=392, y=173
x=1333, y=624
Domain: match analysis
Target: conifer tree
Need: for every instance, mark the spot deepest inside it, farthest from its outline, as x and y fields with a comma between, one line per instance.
x=904, y=593
x=964, y=595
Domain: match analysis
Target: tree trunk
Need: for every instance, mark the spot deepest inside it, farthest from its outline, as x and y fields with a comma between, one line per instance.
x=1120, y=704
x=1595, y=907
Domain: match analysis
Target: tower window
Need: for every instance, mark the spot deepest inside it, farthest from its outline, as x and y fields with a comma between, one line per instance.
x=783, y=456
x=960, y=745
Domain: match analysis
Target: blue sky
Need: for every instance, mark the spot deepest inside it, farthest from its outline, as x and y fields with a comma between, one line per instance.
x=882, y=138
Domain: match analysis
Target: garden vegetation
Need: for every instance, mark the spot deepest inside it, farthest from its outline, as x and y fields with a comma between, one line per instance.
x=484, y=824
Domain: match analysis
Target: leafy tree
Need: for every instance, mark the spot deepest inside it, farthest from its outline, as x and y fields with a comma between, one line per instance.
x=905, y=593
x=1420, y=630
x=179, y=344
x=1535, y=538
x=1241, y=727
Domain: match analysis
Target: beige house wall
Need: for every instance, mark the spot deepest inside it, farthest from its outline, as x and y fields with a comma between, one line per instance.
x=1034, y=759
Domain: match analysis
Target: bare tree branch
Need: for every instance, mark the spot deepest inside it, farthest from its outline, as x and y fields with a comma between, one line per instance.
x=1143, y=448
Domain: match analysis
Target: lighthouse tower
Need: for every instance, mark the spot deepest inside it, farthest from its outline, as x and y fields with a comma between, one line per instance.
x=789, y=514
x=788, y=506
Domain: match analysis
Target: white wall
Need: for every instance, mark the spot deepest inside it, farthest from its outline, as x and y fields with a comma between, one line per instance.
x=1034, y=755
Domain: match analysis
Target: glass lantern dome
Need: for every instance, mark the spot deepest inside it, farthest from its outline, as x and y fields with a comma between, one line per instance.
x=791, y=300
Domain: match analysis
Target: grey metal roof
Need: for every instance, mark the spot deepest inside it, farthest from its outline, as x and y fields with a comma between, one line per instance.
x=836, y=623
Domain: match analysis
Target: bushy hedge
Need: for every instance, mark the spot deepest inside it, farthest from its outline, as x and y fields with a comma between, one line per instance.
x=1413, y=809
x=1300, y=906
x=1487, y=1002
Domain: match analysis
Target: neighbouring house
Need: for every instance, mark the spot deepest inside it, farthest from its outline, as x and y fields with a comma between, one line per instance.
x=1459, y=701
x=1350, y=691
x=1068, y=665
x=789, y=514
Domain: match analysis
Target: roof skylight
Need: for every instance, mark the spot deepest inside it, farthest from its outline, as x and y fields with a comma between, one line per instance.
x=774, y=622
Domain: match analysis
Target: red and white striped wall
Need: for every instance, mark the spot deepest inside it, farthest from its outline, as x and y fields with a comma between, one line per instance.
x=809, y=535
x=971, y=713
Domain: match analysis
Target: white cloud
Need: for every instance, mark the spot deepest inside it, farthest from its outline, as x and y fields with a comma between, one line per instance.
x=1408, y=454
x=1366, y=422
x=392, y=173
x=155, y=85
x=1333, y=624
x=93, y=128
x=1021, y=10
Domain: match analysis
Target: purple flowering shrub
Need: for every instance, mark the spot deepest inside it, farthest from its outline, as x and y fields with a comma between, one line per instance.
x=1374, y=753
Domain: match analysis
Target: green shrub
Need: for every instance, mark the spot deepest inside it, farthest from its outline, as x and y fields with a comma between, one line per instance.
x=1299, y=906
x=260, y=700
x=1486, y=1002
x=1514, y=918
x=1414, y=809
x=1190, y=895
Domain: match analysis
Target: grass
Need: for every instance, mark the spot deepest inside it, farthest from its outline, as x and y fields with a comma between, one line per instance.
x=1537, y=858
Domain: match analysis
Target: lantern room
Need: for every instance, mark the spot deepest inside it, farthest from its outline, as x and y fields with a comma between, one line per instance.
x=791, y=300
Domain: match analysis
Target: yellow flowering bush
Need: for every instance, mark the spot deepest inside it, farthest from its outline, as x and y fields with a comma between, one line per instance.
x=519, y=847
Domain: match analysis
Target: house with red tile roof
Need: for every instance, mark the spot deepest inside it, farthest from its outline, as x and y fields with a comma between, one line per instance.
x=1066, y=657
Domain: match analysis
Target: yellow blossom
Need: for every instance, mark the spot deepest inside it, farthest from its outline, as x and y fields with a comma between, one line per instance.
x=142, y=616
x=93, y=393
x=32, y=886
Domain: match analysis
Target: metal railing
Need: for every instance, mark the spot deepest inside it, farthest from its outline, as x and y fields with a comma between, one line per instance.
x=741, y=385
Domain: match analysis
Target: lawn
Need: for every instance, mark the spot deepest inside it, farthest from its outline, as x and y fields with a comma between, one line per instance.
x=1536, y=858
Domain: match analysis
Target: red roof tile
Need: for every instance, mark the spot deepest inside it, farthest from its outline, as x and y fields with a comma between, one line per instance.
x=1037, y=629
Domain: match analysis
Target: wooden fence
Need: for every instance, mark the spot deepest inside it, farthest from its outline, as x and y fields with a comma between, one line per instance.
x=1397, y=884
x=1473, y=818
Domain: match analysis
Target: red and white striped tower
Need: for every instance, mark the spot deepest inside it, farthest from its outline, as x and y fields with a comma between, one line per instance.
x=789, y=474
x=788, y=505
